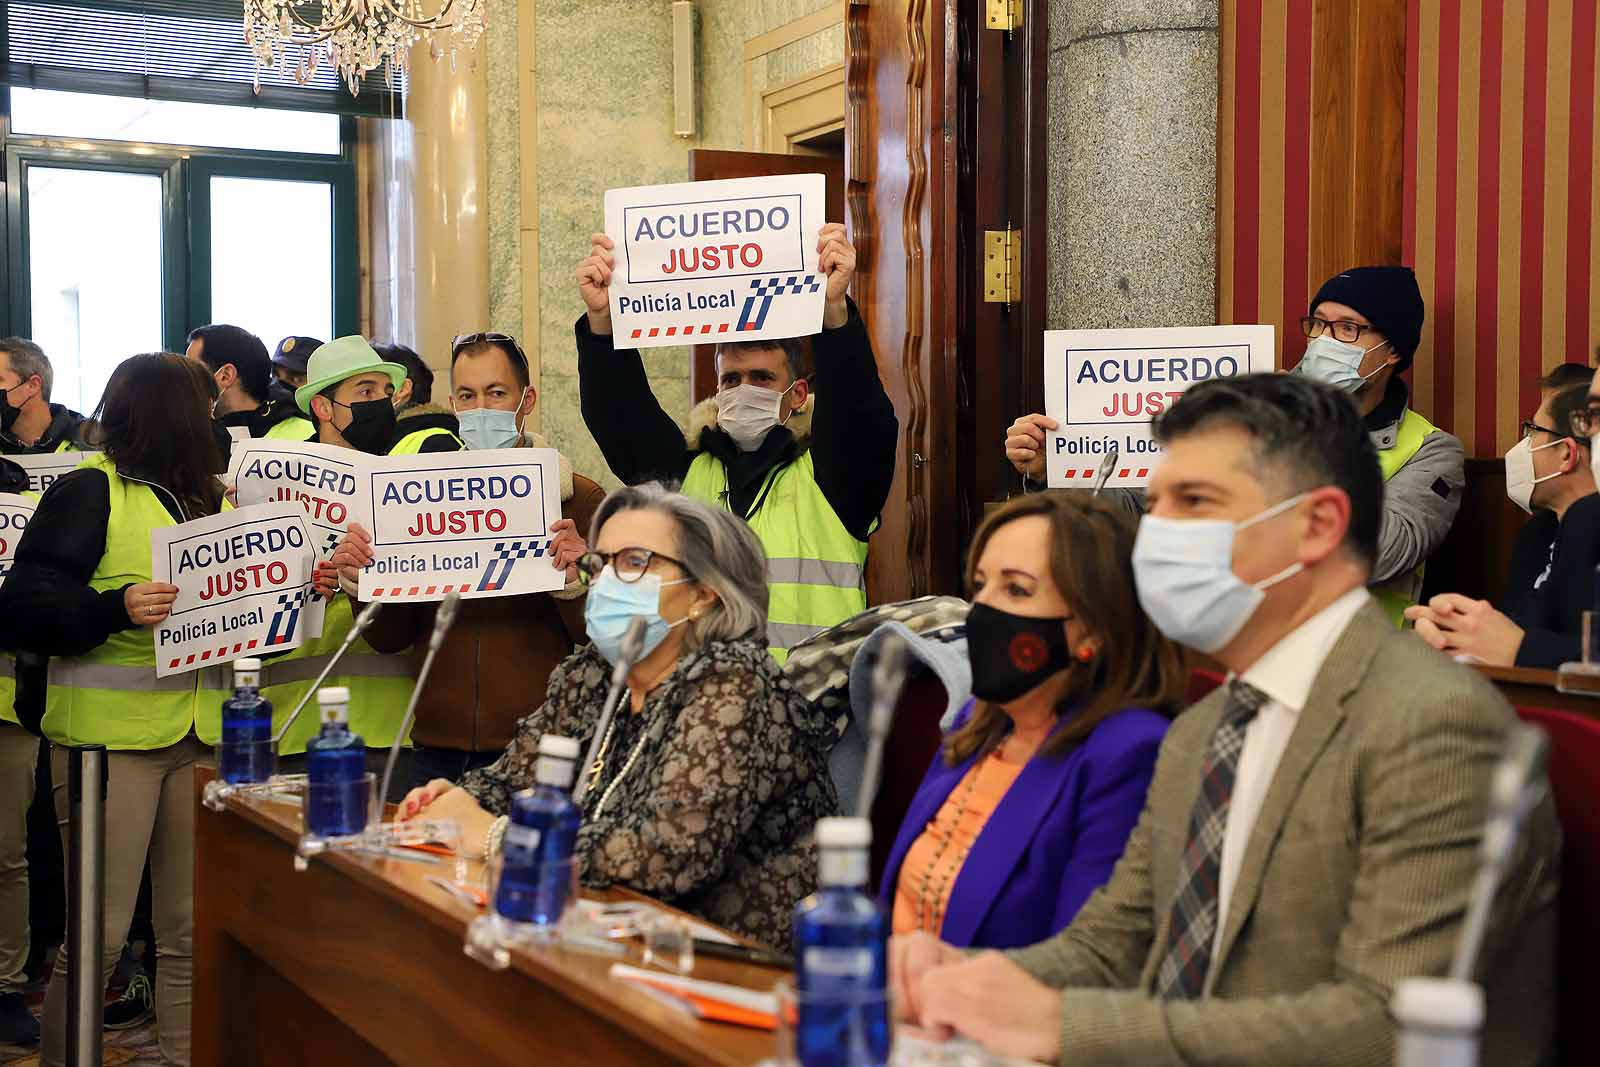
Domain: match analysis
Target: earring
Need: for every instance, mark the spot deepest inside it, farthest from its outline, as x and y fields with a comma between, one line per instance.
x=1086, y=653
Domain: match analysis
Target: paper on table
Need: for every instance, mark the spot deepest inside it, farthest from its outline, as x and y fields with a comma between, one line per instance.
x=739, y=996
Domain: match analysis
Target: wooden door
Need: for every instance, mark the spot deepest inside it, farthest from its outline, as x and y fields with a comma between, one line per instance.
x=709, y=165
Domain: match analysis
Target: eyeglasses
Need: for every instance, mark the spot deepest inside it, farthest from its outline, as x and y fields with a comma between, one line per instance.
x=1342, y=329
x=629, y=564
x=1529, y=427
x=1586, y=423
x=505, y=340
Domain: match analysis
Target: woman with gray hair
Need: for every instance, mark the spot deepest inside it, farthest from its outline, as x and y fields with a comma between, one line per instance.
x=708, y=779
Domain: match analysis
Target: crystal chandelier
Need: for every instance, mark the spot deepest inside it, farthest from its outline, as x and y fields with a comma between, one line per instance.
x=355, y=36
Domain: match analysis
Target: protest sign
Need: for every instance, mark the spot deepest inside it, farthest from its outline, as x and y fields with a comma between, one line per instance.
x=15, y=511
x=243, y=579
x=327, y=481
x=473, y=523
x=731, y=260
x=1105, y=386
x=45, y=467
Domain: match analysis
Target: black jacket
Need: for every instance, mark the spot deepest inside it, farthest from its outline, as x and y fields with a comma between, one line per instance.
x=1550, y=583
x=853, y=431
x=278, y=407
x=66, y=427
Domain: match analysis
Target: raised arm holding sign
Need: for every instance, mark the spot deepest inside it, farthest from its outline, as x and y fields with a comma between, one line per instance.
x=765, y=426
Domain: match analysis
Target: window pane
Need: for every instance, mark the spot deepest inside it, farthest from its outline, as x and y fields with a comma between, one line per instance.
x=49, y=113
x=94, y=261
x=272, y=256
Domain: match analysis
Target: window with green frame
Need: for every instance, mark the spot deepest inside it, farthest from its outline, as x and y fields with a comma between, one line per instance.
x=117, y=245
x=156, y=181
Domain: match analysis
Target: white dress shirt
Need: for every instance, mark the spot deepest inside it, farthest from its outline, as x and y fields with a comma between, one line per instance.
x=1285, y=674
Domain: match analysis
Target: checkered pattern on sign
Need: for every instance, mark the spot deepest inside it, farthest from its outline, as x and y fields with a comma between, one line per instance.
x=1193, y=929
x=506, y=555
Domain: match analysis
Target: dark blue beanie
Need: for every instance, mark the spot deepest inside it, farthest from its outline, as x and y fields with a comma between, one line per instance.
x=1389, y=298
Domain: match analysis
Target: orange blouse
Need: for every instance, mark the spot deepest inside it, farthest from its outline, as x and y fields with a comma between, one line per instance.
x=928, y=875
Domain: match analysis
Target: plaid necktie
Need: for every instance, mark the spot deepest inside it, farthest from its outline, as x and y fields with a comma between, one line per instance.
x=1194, y=911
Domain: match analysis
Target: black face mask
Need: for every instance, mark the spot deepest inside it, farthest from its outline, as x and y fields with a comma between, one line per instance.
x=1012, y=654
x=8, y=411
x=371, y=426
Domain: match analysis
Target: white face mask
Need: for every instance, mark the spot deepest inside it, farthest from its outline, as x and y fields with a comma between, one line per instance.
x=748, y=413
x=1519, y=473
x=1183, y=574
x=1336, y=363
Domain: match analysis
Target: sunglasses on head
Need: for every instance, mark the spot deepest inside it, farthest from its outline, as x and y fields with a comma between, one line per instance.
x=505, y=340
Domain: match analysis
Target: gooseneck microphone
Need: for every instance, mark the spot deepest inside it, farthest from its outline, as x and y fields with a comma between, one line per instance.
x=1518, y=783
x=632, y=647
x=362, y=621
x=1103, y=475
x=888, y=677
x=443, y=619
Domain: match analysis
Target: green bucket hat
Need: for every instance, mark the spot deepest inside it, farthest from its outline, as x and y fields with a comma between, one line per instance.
x=341, y=358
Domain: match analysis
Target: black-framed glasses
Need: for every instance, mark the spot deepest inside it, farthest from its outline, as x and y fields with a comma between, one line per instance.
x=1342, y=329
x=1586, y=423
x=1529, y=426
x=507, y=343
x=629, y=564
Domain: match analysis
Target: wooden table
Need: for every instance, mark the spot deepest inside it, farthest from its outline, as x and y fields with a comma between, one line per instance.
x=1528, y=688
x=358, y=961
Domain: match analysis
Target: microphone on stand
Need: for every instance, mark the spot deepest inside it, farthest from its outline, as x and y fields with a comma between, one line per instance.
x=362, y=621
x=632, y=647
x=1517, y=785
x=1103, y=475
x=1439, y=1019
x=443, y=619
x=888, y=677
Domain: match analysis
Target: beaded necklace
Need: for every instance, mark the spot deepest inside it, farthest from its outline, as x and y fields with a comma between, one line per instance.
x=930, y=907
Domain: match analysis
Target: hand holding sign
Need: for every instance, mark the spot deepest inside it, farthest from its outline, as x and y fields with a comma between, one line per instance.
x=149, y=603
x=1025, y=444
x=837, y=261
x=594, y=277
x=566, y=548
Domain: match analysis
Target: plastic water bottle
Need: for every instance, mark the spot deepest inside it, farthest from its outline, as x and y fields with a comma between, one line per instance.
x=841, y=950
x=1438, y=1020
x=245, y=754
x=536, y=866
x=337, y=793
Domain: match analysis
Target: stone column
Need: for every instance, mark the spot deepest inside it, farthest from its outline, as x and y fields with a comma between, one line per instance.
x=1132, y=163
x=448, y=109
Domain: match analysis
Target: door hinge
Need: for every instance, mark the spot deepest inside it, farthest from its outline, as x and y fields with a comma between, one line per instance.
x=1002, y=266
x=1004, y=15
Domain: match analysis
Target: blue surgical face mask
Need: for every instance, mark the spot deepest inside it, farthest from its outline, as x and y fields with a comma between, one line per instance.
x=1336, y=363
x=1183, y=570
x=488, y=428
x=613, y=603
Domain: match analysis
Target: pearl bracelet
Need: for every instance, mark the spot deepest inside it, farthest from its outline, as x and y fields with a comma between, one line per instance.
x=494, y=836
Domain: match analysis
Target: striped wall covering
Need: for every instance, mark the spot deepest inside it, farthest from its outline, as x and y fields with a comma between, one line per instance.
x=1496, y=181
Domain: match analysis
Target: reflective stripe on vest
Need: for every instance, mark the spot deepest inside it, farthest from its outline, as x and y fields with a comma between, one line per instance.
x=295, y=429
x=111, y=696
x=411, y=443
x=380, y=685
x=816, y=569
x=1402, y=591
x=8, y=689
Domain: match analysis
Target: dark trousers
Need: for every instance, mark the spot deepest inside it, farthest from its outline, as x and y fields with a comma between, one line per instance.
x=428, y=763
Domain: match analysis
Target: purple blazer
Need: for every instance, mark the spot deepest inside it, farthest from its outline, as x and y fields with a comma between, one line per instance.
x=1051, y=842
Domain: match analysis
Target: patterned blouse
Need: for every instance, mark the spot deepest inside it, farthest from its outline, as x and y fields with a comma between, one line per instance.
x=726, y=773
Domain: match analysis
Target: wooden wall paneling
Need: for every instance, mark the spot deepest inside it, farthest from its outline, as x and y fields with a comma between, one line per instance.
x=1380, y=73
x=900, y=188
x=1357, y=136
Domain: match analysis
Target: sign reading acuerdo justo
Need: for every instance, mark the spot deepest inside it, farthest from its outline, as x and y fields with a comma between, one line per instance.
x=473, y=523
x=1104, y=387
x=731, y=260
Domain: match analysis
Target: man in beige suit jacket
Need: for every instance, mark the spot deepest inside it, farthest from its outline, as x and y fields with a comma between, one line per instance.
x=1312, y=830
